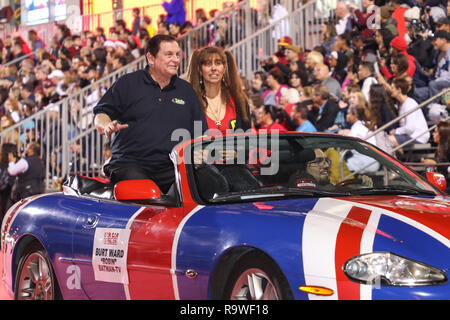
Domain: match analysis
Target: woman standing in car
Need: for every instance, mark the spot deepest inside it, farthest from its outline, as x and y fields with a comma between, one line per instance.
x=214, y=76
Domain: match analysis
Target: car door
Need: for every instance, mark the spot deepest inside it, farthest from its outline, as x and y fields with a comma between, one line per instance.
x=100, y=242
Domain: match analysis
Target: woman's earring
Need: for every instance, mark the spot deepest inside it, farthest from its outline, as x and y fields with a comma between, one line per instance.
x=201, y=80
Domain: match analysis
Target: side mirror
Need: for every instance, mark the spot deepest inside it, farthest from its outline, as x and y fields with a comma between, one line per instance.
x=437, y=180
x=136, y=190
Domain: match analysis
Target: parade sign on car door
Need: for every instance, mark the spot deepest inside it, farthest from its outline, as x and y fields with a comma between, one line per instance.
x=109, y=255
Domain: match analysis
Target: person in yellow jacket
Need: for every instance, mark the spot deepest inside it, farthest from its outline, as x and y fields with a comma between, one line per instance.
x=146, y=23
x=335, y=166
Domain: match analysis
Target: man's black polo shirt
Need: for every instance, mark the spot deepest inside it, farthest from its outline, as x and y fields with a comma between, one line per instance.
x=152, y=115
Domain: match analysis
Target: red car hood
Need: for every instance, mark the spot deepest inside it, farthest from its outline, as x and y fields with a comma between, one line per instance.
x=433, y=213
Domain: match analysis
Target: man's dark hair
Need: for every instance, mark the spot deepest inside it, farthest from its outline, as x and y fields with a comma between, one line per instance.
x=402, y=84
x=369, y=66
x=154, y=44
x=277, y=74
x=270, y=109
x=321, y=90
x=356, y=35
x=35, y=147
x=301, y=108
x=121, y=23
x=100, y=55
x=28, y=87
x=147, y=19
x=347, y=37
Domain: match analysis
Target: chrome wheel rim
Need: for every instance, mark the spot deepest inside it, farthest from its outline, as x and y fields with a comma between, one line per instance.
x=35, y=281
x=254, y=284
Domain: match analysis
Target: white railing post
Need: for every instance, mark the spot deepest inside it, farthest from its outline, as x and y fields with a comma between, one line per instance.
x=65, y=140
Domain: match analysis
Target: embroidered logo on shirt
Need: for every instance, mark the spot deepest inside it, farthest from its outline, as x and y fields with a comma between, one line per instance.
x=178, y=101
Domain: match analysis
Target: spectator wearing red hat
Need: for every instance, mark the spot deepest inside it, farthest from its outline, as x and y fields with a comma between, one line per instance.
x=293, y=62
x=280, y=54
x=121, y=47
x=399, y=46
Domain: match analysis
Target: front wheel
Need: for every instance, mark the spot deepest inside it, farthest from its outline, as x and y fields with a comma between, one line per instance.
x=255, y=277
x=35, y=279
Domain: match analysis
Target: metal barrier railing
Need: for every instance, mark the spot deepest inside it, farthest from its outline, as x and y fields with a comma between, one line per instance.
x=20, y=59
x=380, y=129
x=420, y=106
x=234, y=24
x=65, y=131
x=264, y=43
x=302, y=25
x=94, y=20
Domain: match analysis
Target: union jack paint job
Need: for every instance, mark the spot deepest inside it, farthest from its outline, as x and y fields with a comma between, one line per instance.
x=309, y=239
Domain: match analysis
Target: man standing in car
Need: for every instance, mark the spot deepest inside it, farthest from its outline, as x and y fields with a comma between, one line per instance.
x=144, y=108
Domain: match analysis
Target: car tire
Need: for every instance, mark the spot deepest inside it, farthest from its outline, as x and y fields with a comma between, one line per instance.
x=35, y=277
x=256, y=277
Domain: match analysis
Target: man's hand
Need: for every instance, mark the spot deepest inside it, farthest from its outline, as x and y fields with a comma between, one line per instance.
x=105, y=126
x=366, y=181
x=352, y=6
x=11, y=157
x=111, y=127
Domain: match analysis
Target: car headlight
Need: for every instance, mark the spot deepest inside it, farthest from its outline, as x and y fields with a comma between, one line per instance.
x=386, y=268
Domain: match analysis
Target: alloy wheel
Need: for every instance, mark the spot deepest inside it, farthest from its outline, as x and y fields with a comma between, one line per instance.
x=254, y=284
x=36, y=279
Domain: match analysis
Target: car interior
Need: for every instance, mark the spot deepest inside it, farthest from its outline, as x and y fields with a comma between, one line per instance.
x=245, y=174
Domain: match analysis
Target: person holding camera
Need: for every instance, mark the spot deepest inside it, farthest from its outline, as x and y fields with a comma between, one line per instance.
x=294, y=63
x=29, y=171
x=268, y=63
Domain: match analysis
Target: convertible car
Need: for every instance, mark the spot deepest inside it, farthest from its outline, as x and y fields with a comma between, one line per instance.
x=250, y=216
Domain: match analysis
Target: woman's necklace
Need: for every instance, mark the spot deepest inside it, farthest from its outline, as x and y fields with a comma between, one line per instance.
x=215, y=109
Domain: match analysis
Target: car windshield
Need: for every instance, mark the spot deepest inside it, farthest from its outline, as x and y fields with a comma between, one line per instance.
x=250, y=167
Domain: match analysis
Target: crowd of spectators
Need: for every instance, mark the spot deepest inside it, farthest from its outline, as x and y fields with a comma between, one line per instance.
x=359, y=70
x=34, y=74
x=47, y=73
x=372, y=65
